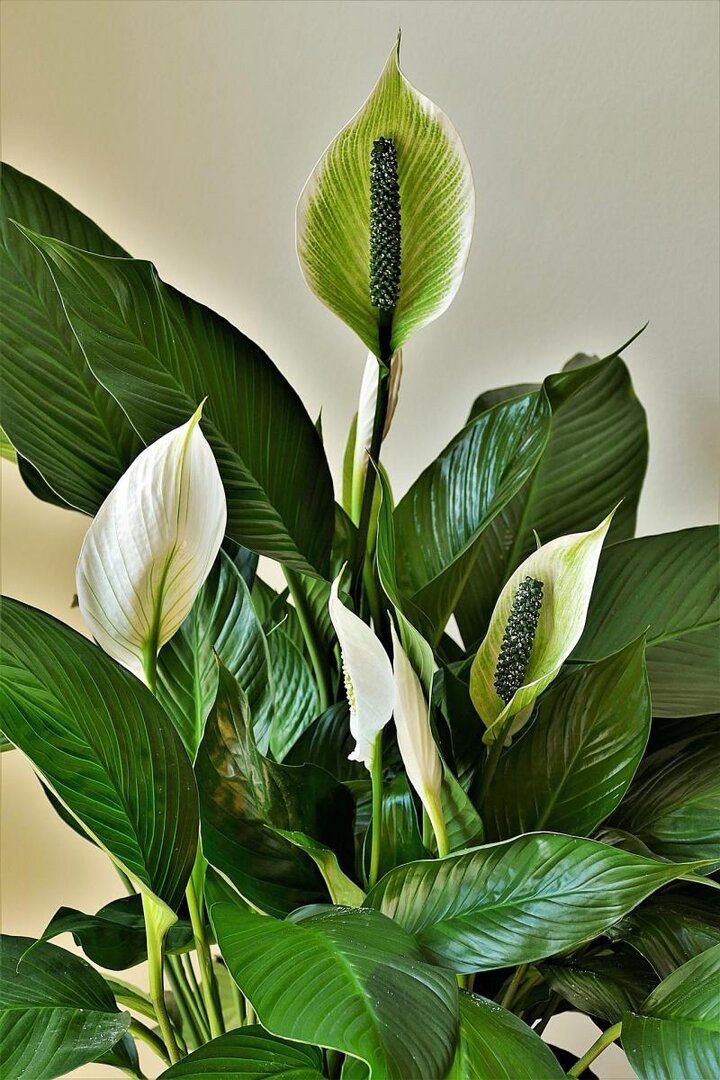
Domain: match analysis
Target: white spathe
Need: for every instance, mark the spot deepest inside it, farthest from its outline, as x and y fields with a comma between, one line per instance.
x=151, y=546
x=368, y=677
x=415, y=739
x=366, y=417
x=566, y=566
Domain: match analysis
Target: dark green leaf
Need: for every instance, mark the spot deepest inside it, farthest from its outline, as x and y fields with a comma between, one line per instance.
x=123, y=1055
x=160, y=354
x=328, y=743
x=596, y=456
x=674, y=804
x=251, y=1054
x=342, y=889
x=100, y=739
x=672, y=927
x=669, y=586
x=441, y=519
x=352, y=981
x=606, y=985
x=55, y=412
x=242, y=792
x=462, y=821
x=222, y=621
x=571, y=768
x=400, y=838
x=56, y=1012
x=296, y=702
x=517, y=901
x=677, y=1031
x=496, y=1045
x=115, y=937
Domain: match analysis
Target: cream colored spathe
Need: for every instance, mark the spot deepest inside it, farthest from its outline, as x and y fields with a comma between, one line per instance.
x=151, y=546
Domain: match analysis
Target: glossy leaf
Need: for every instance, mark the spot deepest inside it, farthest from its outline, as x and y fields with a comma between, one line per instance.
x=570, y=770
x=464, y=825
x=672, y=927
x=352, y=981
x=441, y=519
x=250, y=1053
x=296, y=701
x=437, y=208
x=341, y=888
x=102, y=742
x=160, y=353
x=605, y=986
x=496, y=1045
x=566, y=567
x=56, y=1012
x=400, y=840
x=115, y=937
x=668, y=586
x=151, y=546
x=54, y=411
x=517, y=901
x=242, y=792
x=595, y=458
x=328, y=743
x=222, y=622
x=674, y=804
x=676, y=1033
x=7, y=450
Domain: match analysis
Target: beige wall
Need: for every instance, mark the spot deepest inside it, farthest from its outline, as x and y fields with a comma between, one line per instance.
x=187, y=130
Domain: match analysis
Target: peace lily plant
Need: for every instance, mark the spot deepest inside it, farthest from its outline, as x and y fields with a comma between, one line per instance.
x=460, y=775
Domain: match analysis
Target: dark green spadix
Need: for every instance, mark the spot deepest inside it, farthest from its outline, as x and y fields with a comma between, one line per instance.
x=384, y=225
x=518, y=638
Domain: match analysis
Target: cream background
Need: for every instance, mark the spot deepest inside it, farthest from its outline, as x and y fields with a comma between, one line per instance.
x=186, y=129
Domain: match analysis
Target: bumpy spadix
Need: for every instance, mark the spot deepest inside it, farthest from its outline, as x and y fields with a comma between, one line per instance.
x=151, y=547
x=368, y=677
x=536, y=624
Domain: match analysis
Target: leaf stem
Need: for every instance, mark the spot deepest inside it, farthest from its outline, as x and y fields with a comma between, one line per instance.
x=208, y=982
x=195, y=995
x=513, y=986
x=185, y=1002
x=606, y=1039
x=310, y=634
x=376, y=776
x=435, y=814
x=139, y=1031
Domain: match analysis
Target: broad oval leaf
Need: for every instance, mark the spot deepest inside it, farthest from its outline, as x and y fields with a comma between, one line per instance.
x=352, y=980
x=673, y=806
x=517, y=901
x=57, y=415
x=566, y=568
x=571, y=768
x=249, y=1053
x=223, y=622
x=672, y=927
x=159, y=353
x=676, y=1033
x=667, y=586
x=56, y=1012
x=494, y=1044
x=102, y=742
x=151, y=546
x=605, y=986
x=328, y=743
x=296, y=702
x=437, y=209
x=595, y=457
x=439, y=522
x=242, y=793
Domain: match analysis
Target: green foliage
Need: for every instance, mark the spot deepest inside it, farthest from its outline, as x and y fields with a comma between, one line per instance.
x=577, y=728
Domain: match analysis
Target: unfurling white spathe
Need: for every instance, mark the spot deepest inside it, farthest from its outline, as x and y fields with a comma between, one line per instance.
x=415, y=739
x=151, y=546
x=368, y=677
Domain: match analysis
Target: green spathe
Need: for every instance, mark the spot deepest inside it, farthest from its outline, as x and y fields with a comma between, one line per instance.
x=566, y=567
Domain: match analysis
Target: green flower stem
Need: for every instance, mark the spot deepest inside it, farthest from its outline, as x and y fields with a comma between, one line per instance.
x=208, y=982
x=310, y=634
x=513, y=986
x=250, y=1015
x=157, y=922
x=381, y=406
x=376, y=776
x=198, y=1032
x=239, y=1000
x=437, y=821
x=144, y=1034
x=606, y=1039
